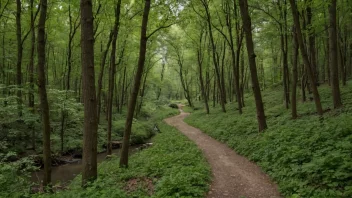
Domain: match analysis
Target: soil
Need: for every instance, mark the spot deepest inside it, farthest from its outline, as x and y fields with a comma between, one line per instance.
x=232, y=175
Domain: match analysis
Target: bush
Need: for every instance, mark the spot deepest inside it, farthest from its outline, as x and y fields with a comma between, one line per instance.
x=14, y=176
x=174, y=106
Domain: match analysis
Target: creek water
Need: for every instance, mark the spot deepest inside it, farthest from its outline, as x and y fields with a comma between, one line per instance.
x=63, y=174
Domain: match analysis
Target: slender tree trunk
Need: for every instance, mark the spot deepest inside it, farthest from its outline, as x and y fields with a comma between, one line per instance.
x=200, y=67
x=112, y=75
x=89, y=160
x=31, y=73
x=236, y=64
x=335, y=88
x=101, y=74
x=19, y=56
x=327, y=52
x=123, y=90
x=305, y=57
x=137, y=82
x=247, y=26
x=294, y=75
x=311, y=40
x=216, y=63
x=43, y=95
x=73, y=29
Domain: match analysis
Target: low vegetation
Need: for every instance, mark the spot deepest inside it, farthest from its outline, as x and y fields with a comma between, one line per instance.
x=172, y=167
x=307, y=157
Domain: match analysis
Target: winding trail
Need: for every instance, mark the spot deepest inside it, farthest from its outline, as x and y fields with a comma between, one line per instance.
x=232, y=175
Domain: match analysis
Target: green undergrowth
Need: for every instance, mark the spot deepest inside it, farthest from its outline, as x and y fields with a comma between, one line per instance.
x=307, y=157
x=172, y=167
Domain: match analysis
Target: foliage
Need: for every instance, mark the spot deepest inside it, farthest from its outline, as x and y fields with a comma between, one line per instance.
x=174, y=166
x=14, y=175
x=174, y=106
x=307, y=157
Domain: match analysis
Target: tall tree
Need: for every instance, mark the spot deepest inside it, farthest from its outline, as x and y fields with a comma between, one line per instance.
x=89, y=161
x=294, y=75
x=304, y=54
x=247, y=26
x=74, y=25
x=42, y=93
x=19, y=55
x=137, y=82
x=112, y=74
x=335, y=87
x=205, y=4
x=200, y=60
x=31, y=72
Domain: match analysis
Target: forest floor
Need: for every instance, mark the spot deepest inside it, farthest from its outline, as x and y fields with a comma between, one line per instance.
x=232, y=175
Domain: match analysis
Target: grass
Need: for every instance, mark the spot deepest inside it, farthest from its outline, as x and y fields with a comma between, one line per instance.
x=307, y=157
x=172, y=167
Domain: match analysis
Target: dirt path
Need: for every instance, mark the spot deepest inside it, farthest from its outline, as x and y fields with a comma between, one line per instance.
x=233, y=175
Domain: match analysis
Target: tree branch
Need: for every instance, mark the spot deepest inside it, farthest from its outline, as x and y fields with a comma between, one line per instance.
x=159, y=28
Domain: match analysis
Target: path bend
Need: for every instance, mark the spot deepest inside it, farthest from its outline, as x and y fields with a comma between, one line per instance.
x=233, y=176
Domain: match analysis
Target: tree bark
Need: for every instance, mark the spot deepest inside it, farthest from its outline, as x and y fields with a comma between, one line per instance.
x=137, y=82
x=247, y=26
x=112, y=74
x=216, y=63
x=43, y=95
x=200, y=67
x=305, y=58
x=294, y=75
x=311, y=41
x=19, y=56
x=73, y=29
x=31, y=73
x=335, y=88
x=89, y=160
x=101, y=74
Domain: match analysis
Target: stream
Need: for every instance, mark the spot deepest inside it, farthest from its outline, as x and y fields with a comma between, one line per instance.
x=63, y=174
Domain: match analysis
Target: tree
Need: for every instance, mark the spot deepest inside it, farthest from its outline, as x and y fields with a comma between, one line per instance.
x=247, y=26
x=335, y=88
x=112, y=73
x=89, y=160
x=205, y=4
x=200, y=60
x=304, y=54
x=19, y=56
x=43, y=95
x=135, y=89
x=294, y=75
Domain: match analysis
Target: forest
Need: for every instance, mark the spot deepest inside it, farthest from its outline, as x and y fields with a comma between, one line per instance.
x=100, y=98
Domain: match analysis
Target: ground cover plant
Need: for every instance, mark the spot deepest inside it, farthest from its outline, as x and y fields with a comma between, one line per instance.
x=307, y=157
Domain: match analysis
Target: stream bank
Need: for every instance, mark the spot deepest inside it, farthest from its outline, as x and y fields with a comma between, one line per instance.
x=63, y=174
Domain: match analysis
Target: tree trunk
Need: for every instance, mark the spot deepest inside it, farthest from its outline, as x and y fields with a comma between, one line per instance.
x=236, y=64
x=216, y=63
x=19, y=57
x=311, y=40
x=294, y=76
x=43, y=95
x=123, y=90
x=112, y=74
x=73, y=29
x=89, y=160
x=305, y=58
x=247, y=26
x=31, y=73
x=137, y=82
x=335, y=88
x=200, y=67
x=101, y=74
